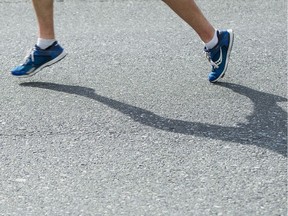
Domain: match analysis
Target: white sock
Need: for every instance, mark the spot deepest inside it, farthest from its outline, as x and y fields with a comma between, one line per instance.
x=213, y=42
x=44, y=43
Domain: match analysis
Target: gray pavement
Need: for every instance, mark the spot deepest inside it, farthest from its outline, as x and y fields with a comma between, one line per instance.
x=128, y=124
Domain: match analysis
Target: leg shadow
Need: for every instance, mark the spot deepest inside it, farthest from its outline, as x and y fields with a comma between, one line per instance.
x=266, y=127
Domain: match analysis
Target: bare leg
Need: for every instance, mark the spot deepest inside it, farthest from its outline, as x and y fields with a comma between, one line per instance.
x=44, y=13
x=190, y=13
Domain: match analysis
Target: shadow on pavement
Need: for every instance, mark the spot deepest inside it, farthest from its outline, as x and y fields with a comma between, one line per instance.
x=266, y=127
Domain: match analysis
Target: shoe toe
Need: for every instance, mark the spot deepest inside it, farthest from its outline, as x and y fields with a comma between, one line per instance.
x=17, y=70
x=20, y=70
x=212, y=77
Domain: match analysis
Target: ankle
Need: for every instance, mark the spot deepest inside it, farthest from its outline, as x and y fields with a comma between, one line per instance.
x=213, y=42
x=45, y=43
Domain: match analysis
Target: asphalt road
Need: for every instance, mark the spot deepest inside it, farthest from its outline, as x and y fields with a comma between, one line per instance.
x=127, y=123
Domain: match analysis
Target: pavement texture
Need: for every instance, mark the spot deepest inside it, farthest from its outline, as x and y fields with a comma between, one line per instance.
x=127, y=123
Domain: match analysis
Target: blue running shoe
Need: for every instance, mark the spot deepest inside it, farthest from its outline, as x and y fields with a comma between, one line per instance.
x=38, y=59
x=219, y=55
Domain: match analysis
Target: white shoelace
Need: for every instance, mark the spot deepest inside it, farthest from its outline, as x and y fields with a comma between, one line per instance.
x=29, y=53
x=217, y=63
x=211, y=62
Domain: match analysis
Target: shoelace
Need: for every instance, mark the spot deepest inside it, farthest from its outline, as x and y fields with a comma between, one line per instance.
x=30, y=54
x=210, y=60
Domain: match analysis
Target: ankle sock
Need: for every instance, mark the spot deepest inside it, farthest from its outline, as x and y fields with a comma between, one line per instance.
x=45, y=43
x=213, y=42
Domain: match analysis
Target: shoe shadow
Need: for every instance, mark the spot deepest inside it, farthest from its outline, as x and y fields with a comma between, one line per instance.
x=266, y=127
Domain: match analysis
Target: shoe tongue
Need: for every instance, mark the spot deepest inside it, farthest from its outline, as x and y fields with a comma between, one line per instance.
x=37, y=47
x=206, y=49
x=53, y=44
